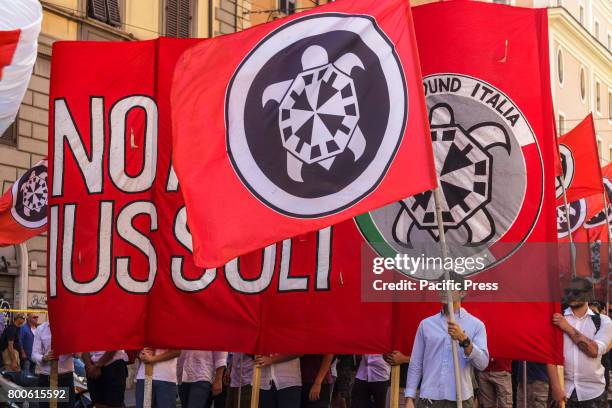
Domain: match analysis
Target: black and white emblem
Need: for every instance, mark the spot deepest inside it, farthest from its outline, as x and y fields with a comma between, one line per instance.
x=30, y=196
x=315, y=114
x=570, y=220
x=567, y=164
x=466, y=175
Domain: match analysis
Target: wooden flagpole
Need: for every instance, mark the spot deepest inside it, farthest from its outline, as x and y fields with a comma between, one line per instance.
x=53, y=382
x=450, y=308
x=147, y=401
x=395, y=386
x=569, y=231
x=255, y=389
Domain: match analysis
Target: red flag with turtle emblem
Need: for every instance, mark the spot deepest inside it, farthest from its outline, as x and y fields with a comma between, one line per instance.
x=309, y=121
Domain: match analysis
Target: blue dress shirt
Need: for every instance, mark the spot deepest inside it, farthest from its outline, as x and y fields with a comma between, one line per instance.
x=431, y=361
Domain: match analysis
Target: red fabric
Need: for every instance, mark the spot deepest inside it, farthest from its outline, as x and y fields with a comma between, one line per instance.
x=328, y=316
x=500, y=364
x=23, y=207
x=8, y=44
x=470, y=38
x=202, y=80
x=586, y=175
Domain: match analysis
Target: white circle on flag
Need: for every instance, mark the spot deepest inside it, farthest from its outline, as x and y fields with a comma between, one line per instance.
x=304, y=164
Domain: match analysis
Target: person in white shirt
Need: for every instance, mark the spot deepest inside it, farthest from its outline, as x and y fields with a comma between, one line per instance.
x=371, y=382
x=42, y=354
x=586, y=338
x=106, y=374
x=202, y=376
x=281, y=380
x=241, y=376
x=164, y=377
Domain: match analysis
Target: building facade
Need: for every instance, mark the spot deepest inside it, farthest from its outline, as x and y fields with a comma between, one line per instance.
x=23, y=268
x=581, y=71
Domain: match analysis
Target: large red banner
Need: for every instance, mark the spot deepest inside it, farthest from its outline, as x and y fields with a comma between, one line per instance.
x=121, y=273
x=299, y=124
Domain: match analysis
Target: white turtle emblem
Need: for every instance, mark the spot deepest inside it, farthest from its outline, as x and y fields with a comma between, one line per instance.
x=318, y=111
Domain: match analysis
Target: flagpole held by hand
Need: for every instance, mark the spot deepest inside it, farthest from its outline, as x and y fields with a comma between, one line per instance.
x=395, y=386
x=148, y=385
x=449, y=295
x=255, y=389
x=53, y=382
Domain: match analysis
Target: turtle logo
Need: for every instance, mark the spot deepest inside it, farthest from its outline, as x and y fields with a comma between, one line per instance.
x=573, y=220
x=465, y=179
x=315, y=114
x=567, y=164
x=331, y=121
x=488, y=161
x=30, y=196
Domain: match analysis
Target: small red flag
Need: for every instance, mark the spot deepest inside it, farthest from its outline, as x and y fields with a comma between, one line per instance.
x=581, y=171
x=23, y=208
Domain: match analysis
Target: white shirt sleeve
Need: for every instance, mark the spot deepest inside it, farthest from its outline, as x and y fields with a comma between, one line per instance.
x=604, y=336
x=480, y=355
x=37, y=355
x=220, y=358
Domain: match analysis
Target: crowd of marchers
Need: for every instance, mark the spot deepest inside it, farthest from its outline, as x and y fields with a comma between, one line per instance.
x=203, y=379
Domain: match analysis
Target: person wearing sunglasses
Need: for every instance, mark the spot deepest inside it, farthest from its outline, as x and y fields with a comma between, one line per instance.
x=586, y=338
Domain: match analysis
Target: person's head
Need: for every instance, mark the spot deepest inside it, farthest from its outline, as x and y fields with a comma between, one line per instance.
x=18, y=319
x=32, y=319
x=459, y=291
x=578, y=292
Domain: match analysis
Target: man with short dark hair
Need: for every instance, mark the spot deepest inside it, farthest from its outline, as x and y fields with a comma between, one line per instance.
x=10, y=345
x=587, y=337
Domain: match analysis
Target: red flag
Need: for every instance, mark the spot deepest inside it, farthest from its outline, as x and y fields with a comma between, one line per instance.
x=299, y=124
x=486, y=76
x=582, y=173
x=23, y=208
x=8, y=44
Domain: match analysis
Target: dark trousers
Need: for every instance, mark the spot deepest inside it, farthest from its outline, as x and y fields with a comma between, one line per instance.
x=324, y=396
x=286, y=398
x=65, y=380
x=599, y=402
x=365, y=393
x=195, y=394
x=245, y=397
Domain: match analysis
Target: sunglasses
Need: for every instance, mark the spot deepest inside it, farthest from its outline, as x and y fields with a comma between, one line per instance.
x=575, y=292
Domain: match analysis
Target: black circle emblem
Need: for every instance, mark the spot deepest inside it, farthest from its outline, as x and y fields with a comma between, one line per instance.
x=30, y=196
x=315, y=114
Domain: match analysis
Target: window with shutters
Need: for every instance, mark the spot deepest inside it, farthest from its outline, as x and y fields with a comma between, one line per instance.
x=106, y=11
x=287, y=6
x=179, y=18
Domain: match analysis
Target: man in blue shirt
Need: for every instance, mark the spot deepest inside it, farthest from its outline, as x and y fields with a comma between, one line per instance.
x=431, y=360
x=26, y=338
